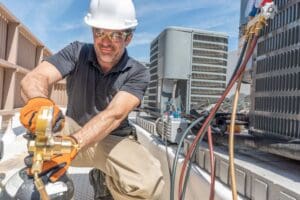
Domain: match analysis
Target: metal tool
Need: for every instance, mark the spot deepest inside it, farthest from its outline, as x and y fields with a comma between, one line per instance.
x=45, y=146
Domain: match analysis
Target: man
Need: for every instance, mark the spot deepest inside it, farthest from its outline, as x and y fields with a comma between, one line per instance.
x=103, y=85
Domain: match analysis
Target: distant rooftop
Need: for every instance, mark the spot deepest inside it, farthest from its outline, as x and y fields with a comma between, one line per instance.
x=187, y=29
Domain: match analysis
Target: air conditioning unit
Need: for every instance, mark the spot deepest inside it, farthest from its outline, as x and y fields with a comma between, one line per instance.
x=275, y=96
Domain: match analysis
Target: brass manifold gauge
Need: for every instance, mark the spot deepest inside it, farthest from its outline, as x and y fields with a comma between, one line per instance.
x=45, y=146
x=257, y=23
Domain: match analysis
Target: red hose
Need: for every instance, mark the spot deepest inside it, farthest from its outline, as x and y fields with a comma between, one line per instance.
x=214, y=110
x=264, y=2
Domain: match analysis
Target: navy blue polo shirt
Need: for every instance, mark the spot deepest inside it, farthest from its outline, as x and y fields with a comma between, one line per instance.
x=90, y=90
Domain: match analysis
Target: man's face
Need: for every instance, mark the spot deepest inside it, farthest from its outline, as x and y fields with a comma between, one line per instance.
x=110, y=46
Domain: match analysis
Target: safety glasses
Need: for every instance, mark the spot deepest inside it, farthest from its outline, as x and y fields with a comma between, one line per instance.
x=114, y=36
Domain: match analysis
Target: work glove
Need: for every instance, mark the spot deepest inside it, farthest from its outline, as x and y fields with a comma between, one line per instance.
x=28, y=114
x=57, y=166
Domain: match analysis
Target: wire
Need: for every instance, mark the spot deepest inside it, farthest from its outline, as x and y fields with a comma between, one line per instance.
x=187, y=176
x=212, y=113
x=191, y=126
x=174, y=96
x=164, y=138
x=175, y=161
x=203, y=127
x=245, y=44
x=210, y=144
x=231, y=139
x=212, y=166
x=167, y=154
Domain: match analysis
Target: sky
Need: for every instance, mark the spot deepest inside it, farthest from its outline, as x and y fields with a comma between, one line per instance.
x=58, y=22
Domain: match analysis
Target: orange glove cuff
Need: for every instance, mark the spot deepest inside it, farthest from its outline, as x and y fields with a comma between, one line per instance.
x=56, y=161
x=28, y=112
x=63, y=158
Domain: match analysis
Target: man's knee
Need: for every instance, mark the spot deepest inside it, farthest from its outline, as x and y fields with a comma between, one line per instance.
x=134, y=171
x=144, y=186
x=152, y=187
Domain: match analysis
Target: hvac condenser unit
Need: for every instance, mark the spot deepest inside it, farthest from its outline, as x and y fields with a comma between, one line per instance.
x=275, y=109
x=187, y=67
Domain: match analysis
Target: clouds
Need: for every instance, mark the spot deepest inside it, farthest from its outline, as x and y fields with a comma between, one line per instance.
x=41, y=17
x=142, y=38
x=217, y=15
x=57, y=23
x=166, y=7
x=70, y=26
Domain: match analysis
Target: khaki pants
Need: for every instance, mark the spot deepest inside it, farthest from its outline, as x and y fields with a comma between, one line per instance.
x=131, y=171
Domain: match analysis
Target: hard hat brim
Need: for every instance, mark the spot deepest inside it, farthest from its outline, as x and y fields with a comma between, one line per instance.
x=109, y=24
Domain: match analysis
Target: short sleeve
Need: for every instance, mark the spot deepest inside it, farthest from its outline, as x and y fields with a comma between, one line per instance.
x=65, y=60
x=137, y=82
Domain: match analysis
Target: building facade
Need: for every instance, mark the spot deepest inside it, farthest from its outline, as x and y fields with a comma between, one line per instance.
x=20, y=52
x=188, y=69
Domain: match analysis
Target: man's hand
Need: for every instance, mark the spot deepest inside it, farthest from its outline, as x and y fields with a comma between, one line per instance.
x=28, y=114
x=57, y=166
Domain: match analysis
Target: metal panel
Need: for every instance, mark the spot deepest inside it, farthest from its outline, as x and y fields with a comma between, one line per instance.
x=1, y=86
x=243, y=15
x=59, y=95
x=284, y=196
x=177, y=54
x=3, y=35
x=224, y=171
x=241, y=181
x=200, y=157
x=26, y=53
x=207, y=164
x=18, y=102
x=260, y=190
x=8, y=89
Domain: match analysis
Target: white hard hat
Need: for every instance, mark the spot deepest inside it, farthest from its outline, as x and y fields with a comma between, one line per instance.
x=111, y=14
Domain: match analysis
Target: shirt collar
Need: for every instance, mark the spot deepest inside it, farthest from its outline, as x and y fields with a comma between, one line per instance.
x=122, y=65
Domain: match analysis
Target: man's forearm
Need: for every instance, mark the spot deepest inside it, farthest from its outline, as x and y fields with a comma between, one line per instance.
x=34, y=86
x=98, y=127
x=37, y=82
x=108, y=120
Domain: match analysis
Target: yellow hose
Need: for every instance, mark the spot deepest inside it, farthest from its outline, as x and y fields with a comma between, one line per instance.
x=40, y=187
x=231, y=139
